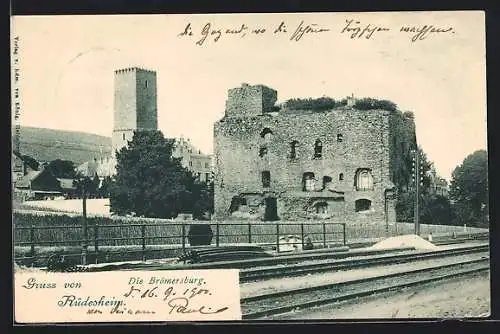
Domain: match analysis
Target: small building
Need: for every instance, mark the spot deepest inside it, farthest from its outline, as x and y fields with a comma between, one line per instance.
x=38, y=185
x=21, y=165
x=193, y=159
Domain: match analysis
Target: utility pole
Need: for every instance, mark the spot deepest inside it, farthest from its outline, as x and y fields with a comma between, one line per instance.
x=417, y=179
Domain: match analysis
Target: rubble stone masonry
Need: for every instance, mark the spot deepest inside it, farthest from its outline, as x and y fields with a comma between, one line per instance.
x=300, y=164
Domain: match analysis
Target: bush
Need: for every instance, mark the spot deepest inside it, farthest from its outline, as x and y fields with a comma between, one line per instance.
x=368, y=103
x=317, y=104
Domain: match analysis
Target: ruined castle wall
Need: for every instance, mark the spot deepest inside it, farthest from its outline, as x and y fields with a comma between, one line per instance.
x=365, y=144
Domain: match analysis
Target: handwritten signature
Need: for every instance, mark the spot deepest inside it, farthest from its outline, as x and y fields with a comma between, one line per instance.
x=180, y=305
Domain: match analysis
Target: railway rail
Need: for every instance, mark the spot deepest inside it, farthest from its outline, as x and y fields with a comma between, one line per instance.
x=256, y=274
x=269, y=304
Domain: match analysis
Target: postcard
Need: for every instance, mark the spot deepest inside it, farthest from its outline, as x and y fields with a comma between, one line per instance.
x=228, y=167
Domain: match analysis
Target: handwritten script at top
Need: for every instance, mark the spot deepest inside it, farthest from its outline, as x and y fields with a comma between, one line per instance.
x=351, y=28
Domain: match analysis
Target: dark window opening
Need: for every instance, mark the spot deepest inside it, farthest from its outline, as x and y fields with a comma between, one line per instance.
x=318, y=149
x=262, y=151
x=339, y=138
x=266, y=134
x=321, y=208
x=146, y=84
x=207, y=177
x=308, y=181
x=266, y=179
x=123, y=136
x=326, y=181
x=236, y=202
x=206, y=164
x=341, y=177
x=293, y=149
x=271, y=211
x=190, y=164
x=363, y=205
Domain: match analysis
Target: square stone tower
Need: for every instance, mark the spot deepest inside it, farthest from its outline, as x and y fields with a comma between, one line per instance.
x=135, y=105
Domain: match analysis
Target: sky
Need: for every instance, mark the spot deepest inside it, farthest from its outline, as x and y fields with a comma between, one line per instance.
x=66, y=67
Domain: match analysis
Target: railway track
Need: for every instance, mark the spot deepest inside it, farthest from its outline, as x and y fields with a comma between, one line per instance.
x=257, y=274
x=261, y=306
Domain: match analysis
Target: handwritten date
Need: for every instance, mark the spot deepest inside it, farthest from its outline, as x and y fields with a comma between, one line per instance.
x=154, y=292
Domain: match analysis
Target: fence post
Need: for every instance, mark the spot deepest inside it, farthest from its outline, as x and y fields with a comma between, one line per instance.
x=277, y=237
x=217, y=234
x=96, y=241
x=143, y=236
x=344, y=235
x=32, y=240
x=183, y=237
x=249, y=233
x=85, y=230
x=302, y=234
x=324, y=235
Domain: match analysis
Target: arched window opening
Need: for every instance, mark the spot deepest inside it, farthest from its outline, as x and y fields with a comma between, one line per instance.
x=318, y=149
x=363, y=205
x=308, y=181
x=364, y=180
x=339, y=138
x=266, y=179
x=321, y=208
x=293, y=149
x=146, y=84
x=267, y=135
x=341, y=177
x=326, y=181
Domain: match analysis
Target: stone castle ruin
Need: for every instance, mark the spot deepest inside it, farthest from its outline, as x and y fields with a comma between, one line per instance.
x=342, y=164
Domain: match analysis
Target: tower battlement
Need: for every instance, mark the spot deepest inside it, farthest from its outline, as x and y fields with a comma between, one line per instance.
x=132, y=69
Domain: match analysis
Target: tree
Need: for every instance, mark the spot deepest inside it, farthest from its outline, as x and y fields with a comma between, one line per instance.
x=406, y=199
x=203, y=205
x=469, y=189
x=104, y=189
x=149, y=181
x=31, y=162
x=62, y=168
x=84, y=185
x=436, y=209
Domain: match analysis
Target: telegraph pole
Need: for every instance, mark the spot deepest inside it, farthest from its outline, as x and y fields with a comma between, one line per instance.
x=417, y=178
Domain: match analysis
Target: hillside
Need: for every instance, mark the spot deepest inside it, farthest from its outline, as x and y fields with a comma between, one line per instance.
x=49, y=144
